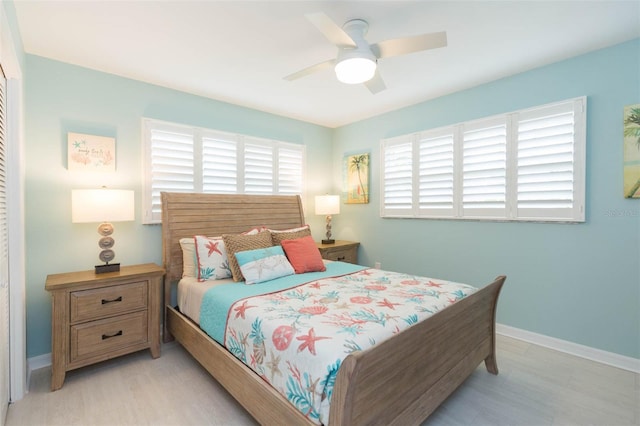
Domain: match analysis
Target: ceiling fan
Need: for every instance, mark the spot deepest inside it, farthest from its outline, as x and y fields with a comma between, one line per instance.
x=357, y=59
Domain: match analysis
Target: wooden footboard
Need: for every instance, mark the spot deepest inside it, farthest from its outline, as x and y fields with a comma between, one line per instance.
x=400, y=381
x=404, y=379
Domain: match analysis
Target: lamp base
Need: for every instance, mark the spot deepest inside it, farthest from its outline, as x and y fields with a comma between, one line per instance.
x=328, y=241
x=108, y=267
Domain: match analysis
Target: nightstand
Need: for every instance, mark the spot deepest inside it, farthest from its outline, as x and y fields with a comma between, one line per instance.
x=344, y=251
x=95, y=317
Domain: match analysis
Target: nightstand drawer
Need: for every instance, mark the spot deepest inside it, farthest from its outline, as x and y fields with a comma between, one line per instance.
x=99, y=337
x=343, y=255
x=340, y=250
x=103, y=302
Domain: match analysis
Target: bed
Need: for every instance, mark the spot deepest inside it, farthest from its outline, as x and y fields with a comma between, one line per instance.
x=401, y=380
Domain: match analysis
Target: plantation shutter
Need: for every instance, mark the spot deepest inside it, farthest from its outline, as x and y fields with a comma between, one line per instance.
x=258, y=167
x=189, y=159
x=546, y=162
x=219, y=163
x=397, y=179
x=290, y=161
x=436, y=173
x=484, y=168
x=171, y=165
x=524, y=165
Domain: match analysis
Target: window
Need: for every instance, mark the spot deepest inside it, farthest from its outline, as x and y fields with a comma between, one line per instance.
x=524, y=165
x=188, y=159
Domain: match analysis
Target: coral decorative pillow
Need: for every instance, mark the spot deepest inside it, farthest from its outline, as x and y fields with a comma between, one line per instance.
x=264, y=264
x=303, y=255
x=235, y=243
x=213, y=263
x=289, y=234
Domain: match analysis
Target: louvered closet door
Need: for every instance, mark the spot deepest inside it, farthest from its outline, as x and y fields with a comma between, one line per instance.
x=4, y=259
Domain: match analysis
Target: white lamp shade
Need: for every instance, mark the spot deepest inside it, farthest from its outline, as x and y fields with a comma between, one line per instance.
x=355, y=70
x=101, y=205
x=327, y=204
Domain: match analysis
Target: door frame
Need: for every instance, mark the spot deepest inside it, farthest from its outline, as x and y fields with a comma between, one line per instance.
x=15, y=209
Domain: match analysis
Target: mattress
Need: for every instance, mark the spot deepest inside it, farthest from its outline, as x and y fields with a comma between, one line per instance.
x=190, y=294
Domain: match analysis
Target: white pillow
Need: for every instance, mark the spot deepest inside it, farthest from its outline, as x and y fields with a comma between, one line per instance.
x=213, y=263
x=189, y=259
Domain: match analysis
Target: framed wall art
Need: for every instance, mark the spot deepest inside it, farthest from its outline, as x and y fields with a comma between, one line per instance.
x=632, y=151
x=356, y=178
x=91, y=153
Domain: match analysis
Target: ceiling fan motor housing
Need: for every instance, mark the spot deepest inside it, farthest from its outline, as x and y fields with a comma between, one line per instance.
x=356, y=65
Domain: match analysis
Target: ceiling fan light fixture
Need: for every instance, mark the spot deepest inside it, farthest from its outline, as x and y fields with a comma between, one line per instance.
x=355, y=70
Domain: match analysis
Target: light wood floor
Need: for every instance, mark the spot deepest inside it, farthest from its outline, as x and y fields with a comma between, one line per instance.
x=536, y=386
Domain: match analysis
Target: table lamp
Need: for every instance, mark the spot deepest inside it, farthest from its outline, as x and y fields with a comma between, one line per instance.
x=328, y=205
x=103, y=206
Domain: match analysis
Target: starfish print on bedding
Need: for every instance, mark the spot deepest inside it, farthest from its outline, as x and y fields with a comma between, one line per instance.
x=240, y=310
x=315, y=285
x=388, y=304
x=309, y=341
x=274, y=365
x=213, y=247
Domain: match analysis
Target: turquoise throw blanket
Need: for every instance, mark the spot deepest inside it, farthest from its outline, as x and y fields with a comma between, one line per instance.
x=218, y=300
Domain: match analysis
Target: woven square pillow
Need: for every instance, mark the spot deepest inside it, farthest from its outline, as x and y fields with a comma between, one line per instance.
x=213, y=263
x=235, y=243
x=264, y=264
x=304, y=255
x=277, y=236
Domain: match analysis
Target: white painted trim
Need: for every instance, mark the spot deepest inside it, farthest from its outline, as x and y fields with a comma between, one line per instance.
x=15, y=209
x=16, y=234
x=593, y=354
x=36, y=363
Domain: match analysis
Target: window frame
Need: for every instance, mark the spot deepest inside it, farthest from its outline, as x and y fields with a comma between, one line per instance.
x=511, y=211
x=197, y=166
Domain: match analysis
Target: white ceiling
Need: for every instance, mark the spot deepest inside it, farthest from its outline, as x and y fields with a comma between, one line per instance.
x=239, y=51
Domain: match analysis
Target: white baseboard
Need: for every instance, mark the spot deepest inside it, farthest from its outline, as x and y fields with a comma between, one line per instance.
x=36, y=363
x=597, y=355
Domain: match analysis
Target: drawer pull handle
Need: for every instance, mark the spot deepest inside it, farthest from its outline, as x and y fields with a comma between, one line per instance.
x=109, y=336
x=342, y=258
x=117, y=299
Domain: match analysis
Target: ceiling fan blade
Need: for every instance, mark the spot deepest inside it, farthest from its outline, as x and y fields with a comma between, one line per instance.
x=404, y=45
x=376, y=84
x=310, y=70
x=330, y=29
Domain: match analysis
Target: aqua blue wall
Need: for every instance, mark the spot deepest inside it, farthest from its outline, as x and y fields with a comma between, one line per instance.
x=63, y=98
x=576, y=282
x=579, y=282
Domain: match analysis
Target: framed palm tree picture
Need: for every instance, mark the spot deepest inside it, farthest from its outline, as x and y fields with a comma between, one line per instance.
x=356, y=178
x=632, y=151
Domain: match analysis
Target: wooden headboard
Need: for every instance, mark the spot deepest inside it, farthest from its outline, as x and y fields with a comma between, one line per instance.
x=186, y=215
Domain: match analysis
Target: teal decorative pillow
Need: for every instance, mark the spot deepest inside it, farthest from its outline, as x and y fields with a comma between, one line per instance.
x=263, y=264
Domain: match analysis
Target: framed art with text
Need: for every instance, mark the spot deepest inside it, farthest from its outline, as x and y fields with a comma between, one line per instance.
x=91, y=153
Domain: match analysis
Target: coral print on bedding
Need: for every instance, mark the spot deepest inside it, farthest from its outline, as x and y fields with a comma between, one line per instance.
x=296, y=338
